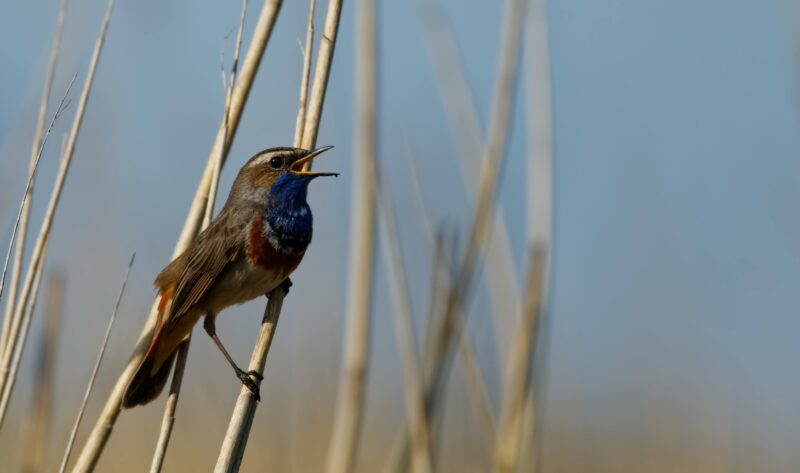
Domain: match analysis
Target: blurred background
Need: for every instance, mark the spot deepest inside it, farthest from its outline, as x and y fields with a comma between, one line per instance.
x=671, y=323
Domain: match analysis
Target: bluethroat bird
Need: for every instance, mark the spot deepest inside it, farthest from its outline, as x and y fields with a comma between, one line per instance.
x=254, y=244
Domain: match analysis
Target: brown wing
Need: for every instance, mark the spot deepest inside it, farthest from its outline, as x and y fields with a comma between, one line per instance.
x=205, y=260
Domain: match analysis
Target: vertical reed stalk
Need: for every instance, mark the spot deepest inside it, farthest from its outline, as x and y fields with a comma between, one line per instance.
x=105, y=422
x=95, y=370
x=14, y=340
x=419, y=434
x=349, y=409
x=520, y=357
x=41, y=408
x=168, y=419
x=467, y=135
x=235, y=441
x=307, y=51
x=9, y=323
x=491, y=166
x=475, y=381
x=19, y=252
x=540, y=209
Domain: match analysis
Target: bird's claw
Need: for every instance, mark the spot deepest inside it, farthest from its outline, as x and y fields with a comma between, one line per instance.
x=255, y=374
x=247, y=381
x=285, y=285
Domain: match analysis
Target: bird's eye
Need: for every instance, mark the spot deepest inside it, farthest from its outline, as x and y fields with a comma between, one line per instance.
x=276, y=162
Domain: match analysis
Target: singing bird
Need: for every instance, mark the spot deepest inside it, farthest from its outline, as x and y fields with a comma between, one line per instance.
x=254, y=244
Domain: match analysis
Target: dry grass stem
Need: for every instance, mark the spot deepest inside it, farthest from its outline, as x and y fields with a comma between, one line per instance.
x=475, y=382
x=41, y=408
x=349, y=408
x=467, y=136
x=520, y=357
x=168, y=419
x=95, y=370
x=491, y=167
x=235, y=441
x=19, y=252
x=105, y=423
x=9, y=322
x=307, y=52
x=18, y=328
x=15, y=342
x=406, y=338
x=322, y=70
x=540, y=210
x=26, y=324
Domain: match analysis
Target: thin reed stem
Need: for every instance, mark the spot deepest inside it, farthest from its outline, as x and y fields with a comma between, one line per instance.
x=538, y=107
x=235, y=441
x=307, y=52
x=468, y=138
x=168, y=419
x=76, y=426
x=322, y=70
x=9, y=323
x=349, y=409
x=520, y=356
x=15, y=342
x=232, y=449
x=105, y=422
x=42, y=406
x=406, y=339
x=491, y=166
x=18, y=329
x=19, y=252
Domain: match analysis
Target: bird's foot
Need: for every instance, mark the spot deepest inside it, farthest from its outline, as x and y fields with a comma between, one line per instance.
x=285, y=285
x=246, y=377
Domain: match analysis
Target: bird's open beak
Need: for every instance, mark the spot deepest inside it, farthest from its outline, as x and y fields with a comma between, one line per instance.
x=299, y=166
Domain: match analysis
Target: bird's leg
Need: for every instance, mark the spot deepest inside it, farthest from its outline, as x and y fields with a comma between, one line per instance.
x=244, y=376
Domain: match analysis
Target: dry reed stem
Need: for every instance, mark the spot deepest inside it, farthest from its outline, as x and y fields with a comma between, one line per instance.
x=37, y=258
x=168, y=419
x=307, y=51
x=520, y=357
x=491, y=167
x=9, y=323
x=19, y=252
x=234, y=443
x=26, y=324
x=41, y=408
x=349, y=409
x=404, y=330
x=322, y=70
x=105, y=422
x=540, y=207
x=467, y=135
x=475, y=382
x=76, y=426
x=18, y=329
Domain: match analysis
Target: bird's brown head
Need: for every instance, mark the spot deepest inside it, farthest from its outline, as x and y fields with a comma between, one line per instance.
x=277, y=174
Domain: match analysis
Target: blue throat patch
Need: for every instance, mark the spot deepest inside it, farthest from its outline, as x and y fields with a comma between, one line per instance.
x=288, y=214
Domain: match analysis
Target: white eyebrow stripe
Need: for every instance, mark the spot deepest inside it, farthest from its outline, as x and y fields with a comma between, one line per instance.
x=261, y=159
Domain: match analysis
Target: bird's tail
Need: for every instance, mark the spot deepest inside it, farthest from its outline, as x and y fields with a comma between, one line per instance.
x=145, y=385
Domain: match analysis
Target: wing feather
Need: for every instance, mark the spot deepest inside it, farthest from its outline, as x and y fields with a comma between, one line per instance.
x=216, y=248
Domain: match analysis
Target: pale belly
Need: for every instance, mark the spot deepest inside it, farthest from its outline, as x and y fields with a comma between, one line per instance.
x=241, y=283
